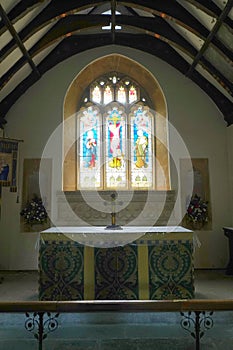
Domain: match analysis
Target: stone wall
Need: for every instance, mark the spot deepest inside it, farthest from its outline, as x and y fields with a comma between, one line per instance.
x=133, y=208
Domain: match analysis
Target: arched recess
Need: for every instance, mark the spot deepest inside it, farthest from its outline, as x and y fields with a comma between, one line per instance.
x=127, y=66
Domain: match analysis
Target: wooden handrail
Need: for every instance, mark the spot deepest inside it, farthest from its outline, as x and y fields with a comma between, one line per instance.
x=117, y=306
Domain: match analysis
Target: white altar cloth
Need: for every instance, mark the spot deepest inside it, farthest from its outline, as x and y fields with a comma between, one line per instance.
x=125, y=229
x=99, y=236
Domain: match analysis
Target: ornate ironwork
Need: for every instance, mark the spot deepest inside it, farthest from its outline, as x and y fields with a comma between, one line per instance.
x=197, y=325
x=39, y=326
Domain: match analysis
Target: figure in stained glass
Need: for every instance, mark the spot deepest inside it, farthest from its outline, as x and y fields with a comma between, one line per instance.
x=115, y=136
x=89, y=147
x=141, y=149
x=90, y=157
x=116, y=146
x=141, y=157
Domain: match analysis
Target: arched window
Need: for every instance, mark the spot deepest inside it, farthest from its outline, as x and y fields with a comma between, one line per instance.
x=115, y=93
x=115, y=128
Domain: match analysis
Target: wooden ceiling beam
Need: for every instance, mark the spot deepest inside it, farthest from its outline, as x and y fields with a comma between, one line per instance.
x=14, y=34
x=20, y=10
x=170, y=10
x=113, y=20
x=209, y=7
x=69, y=47
x=131, y=11
x=210, y=37
x=155, y=27
x=51, y=13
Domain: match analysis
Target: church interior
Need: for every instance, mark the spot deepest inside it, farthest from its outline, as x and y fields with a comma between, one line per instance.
x=116, y=166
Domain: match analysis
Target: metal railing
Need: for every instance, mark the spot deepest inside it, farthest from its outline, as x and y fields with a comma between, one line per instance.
x=42, y=316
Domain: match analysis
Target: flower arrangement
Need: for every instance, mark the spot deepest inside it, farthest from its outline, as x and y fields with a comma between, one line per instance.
x=34, y=212
x=197, y=211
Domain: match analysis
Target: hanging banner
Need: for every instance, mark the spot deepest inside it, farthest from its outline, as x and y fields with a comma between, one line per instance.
x=8, y=164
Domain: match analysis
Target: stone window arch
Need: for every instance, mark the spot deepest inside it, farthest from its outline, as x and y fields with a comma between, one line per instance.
x=111, y=85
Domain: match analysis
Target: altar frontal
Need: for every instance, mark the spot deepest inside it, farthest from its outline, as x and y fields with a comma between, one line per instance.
x=91, y=263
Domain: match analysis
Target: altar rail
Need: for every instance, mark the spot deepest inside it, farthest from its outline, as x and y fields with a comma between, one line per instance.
x=196, y=315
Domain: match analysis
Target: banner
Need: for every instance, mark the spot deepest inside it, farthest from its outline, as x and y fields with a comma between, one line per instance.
x=8, y=164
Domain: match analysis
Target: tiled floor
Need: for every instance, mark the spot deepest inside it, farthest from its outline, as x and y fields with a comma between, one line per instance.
x=209, y=284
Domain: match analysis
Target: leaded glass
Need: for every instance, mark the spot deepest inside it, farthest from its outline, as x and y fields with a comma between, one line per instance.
x=124, y=128
x=89, y=148
x=121, y=95
x=108, y=95
x=132, y=94
x=96, y=94
x=115, y=147
x=142, y=147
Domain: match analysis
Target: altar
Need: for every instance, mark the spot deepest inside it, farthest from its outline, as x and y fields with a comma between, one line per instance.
x=138, y=263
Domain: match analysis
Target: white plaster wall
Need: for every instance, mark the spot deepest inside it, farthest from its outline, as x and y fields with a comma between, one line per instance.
x=39, y=111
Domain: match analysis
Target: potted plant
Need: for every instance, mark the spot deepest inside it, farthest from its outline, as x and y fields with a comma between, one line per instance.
x=34, y=212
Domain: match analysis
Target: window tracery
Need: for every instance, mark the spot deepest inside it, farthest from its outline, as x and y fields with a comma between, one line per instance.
x=116, y=144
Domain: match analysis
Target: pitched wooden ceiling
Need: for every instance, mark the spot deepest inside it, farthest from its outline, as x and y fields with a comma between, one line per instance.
x=194, y=36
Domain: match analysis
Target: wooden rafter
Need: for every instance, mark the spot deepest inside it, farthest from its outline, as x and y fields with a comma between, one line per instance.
x=157, y=37
x=156, y=27
x=210, y=37
x=21, y=46
x=69, y=47
x=113, y=20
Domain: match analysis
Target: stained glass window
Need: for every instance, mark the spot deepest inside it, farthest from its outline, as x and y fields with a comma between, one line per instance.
x=89, y=148
x=141, y=124
x=121, y=95
x=132, y=94
x=108, y=95
x=115, y=147
x=96, y=94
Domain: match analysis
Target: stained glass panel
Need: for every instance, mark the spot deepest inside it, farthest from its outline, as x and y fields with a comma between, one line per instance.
x=141, y=148
x=121, y=95
x=89, y=148
x=115, y=148
x=96, y=94
x=108, y=95
x=132, y=94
